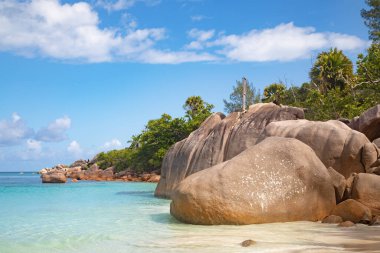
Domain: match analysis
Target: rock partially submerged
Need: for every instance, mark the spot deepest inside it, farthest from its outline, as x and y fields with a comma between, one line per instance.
x=53, y=177
x=82, y=170
x=269, y=182
x=331, y=219
x=218, y=139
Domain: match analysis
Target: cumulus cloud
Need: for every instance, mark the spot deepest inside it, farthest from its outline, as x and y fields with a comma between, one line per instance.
x=33, y=145
x=55, y=131
x=197, y=18
x=167, y=57
x=117, y=5
x=200, y=38
x=14, y=131
x=74, y=148
x=285, y=42
x=112, y=144
x=71, y=32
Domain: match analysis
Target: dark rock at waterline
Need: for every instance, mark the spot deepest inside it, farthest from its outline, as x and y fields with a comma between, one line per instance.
x=375, y=221
x=218, y=139
x=332, y=219
x=269, y=182
x=352, y=210
x=368, y=123
x=248, y=243
x=53, y=177
x=346, y=224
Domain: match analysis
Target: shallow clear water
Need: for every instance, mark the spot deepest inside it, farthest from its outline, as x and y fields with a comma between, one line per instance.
x=97, y=217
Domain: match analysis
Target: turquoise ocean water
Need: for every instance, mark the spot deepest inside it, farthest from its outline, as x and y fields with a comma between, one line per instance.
x=97, y=217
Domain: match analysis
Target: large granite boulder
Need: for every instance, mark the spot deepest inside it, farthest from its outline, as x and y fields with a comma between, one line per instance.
x=278, y=180
x=337, y=145
x=366, y=190
x=53, y=177
x=368, y=123
x=218, y=139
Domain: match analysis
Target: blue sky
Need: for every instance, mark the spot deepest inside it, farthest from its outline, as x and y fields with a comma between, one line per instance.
x=78, y=78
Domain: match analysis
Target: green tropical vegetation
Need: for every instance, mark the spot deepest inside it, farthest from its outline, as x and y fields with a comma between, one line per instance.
x=235, y=102
x=147, y=149
x=334, y=90
x=372, y=19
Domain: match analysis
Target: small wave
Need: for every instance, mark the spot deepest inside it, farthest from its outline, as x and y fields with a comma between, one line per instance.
x=138, y=193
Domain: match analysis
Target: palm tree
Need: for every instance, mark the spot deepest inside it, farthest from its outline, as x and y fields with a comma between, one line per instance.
x=331, y=70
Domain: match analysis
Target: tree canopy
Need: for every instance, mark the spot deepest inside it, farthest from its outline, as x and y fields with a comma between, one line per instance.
x=331, y=70
x=274, y=93
x=235, y=102
x=147, y=149
x=372, y=19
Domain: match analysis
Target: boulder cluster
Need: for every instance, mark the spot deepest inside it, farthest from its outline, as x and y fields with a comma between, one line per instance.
x=271, y=165
x=85, y=170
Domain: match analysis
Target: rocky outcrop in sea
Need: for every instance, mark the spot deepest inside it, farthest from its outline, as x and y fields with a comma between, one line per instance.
x=87, y=170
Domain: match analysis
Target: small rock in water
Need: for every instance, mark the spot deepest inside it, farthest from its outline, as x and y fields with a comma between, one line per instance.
x=248, y=243
x=331, y=219
x=346, y=224
x=375, y=221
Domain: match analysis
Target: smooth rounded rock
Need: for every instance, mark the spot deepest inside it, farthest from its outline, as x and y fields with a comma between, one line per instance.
x=218, y=139
x=375, y=221
x=368, y=123
x=346, y=224
x=248, y=243
x=337, y=145
x=366, y=190
x=53, y=178
x=270, y=182
x=352, y=210
x=332, y=219
x=370, y=154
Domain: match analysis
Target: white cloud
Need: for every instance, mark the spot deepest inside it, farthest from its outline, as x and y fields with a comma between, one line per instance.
x=112, y=144
x=71, y=32
x=14, y=131
x=198, y=18
x=74, y=148
x=200, y=36
x=284, y=42
x=168, y=57
x=33, y=145
x=56, y=131
x=117, y=5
